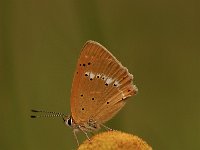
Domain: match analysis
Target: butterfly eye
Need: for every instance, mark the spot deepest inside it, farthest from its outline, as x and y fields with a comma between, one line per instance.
x=69, y=121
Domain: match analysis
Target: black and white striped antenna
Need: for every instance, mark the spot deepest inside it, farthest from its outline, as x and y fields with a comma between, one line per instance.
x=47, y=114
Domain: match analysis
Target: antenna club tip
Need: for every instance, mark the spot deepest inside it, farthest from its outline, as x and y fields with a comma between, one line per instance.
x=33, y=110
x=33, y=116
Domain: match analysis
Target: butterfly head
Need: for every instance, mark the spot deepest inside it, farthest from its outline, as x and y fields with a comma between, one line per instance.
x=68, y=120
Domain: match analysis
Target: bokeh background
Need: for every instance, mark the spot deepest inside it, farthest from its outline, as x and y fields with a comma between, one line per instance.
x=158, y=41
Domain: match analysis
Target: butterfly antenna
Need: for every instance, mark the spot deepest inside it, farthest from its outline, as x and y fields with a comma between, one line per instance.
x=48, y=114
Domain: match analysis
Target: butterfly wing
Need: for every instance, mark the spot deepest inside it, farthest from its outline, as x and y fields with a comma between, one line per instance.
x=100, y=85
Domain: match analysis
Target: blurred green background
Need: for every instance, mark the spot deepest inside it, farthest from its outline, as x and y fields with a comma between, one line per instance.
x=158, y=41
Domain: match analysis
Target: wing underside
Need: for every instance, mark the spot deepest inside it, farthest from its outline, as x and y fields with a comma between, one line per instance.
x=100, y=85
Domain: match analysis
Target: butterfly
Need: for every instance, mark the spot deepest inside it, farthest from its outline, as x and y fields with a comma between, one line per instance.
x=100, y=87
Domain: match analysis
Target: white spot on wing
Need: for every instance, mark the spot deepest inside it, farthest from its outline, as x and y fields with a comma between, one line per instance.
x=92, y=75
x=109, y=80
x=116, y=83
x=98, y=75
x=123, y=95
x=87, y=73
x=104, y=77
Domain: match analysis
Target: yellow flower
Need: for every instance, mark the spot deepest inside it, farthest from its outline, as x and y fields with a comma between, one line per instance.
x=114, y=140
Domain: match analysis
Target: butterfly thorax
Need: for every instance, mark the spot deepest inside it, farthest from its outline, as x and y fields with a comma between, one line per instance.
x=88, y=126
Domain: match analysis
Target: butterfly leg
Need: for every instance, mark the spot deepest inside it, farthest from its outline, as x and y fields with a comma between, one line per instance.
x=84, y=133
x=107, y=128
x=76, y=137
